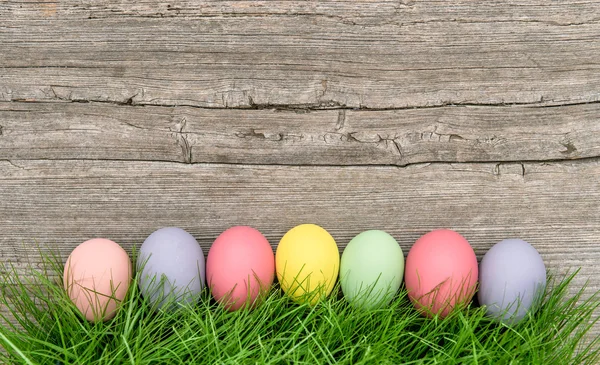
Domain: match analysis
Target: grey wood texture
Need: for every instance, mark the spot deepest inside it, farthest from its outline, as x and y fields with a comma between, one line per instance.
x=60, y=203
x=118, y=118
x=320, y=137
x=366, y=54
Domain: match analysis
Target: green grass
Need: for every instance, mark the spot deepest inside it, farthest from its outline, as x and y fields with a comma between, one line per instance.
x=51, y=331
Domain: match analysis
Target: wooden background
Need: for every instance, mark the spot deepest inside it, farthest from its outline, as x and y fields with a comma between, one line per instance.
x=118, y=118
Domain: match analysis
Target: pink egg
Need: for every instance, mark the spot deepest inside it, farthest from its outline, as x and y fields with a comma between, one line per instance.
x=441, y=272
x=96, y=277
x=240, y=267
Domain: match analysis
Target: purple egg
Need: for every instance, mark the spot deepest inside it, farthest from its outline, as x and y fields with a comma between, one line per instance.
x=172, y=264
x=512, y=280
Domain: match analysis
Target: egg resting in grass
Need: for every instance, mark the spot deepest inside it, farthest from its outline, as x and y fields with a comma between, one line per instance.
x=96, y=277
x=173, y=271
x=371, y=269
x=441, y=272
x=307, y=263
x=240, y=267
x=512, y=280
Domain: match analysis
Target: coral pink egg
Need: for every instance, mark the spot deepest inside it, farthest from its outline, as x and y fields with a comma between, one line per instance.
x=441, y=272
x=240, y=267
x=96, y=277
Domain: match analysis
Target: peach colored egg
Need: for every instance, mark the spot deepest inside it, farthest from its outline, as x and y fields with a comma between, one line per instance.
x=96, y=277
x=240, y=267
x=441, y=272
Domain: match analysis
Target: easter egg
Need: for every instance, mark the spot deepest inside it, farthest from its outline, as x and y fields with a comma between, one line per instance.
x=96, y=277
x=172, y=268
x=307, y=262
x=371, y=269
x=512, y=280
x=240, y=267
x=441, y=272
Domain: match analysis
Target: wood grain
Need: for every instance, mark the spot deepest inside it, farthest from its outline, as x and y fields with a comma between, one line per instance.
x=59, y=204
x=324, y=137
x=372, y=54
x=566, y=13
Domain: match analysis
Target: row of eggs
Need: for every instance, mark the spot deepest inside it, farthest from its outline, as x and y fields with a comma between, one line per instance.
x=441, y=271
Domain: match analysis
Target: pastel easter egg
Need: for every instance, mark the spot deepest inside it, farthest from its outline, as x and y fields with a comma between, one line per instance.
x=307, y=262
x=512, y=280
x=371, y=269
x=441, y=272
x=96, y=277
x=172, y=268
x=240, y=267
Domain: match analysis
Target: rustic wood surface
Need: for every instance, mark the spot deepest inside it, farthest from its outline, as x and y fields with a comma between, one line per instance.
x=365, y=54
x=118, y=118
x=313, y=137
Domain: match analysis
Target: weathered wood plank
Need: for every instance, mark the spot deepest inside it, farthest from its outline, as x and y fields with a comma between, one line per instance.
x=59, y=204
x=330, y=137
x=539, y=54
x=566, y=12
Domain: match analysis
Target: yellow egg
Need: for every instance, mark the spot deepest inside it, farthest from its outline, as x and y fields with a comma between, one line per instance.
x=307, y=262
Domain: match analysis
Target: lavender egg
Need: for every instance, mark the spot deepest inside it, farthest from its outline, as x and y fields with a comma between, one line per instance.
x=172, y=264
x=512, y=280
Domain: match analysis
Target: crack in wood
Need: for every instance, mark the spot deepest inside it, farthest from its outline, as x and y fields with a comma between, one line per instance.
x=324, y=105
x=183, y=141
x=454, y=137
x=341, y=120
x=10, y=162
x=519, y=165
x=398, y=149
x=186, y=148
x=497, y=164
x=570, y=148
x=253, y=133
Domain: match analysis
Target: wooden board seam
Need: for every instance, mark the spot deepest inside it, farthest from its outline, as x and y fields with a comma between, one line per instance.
x=322, y=105
x=522, y=165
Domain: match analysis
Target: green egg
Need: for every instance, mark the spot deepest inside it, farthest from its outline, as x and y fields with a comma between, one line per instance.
x=371, y=269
